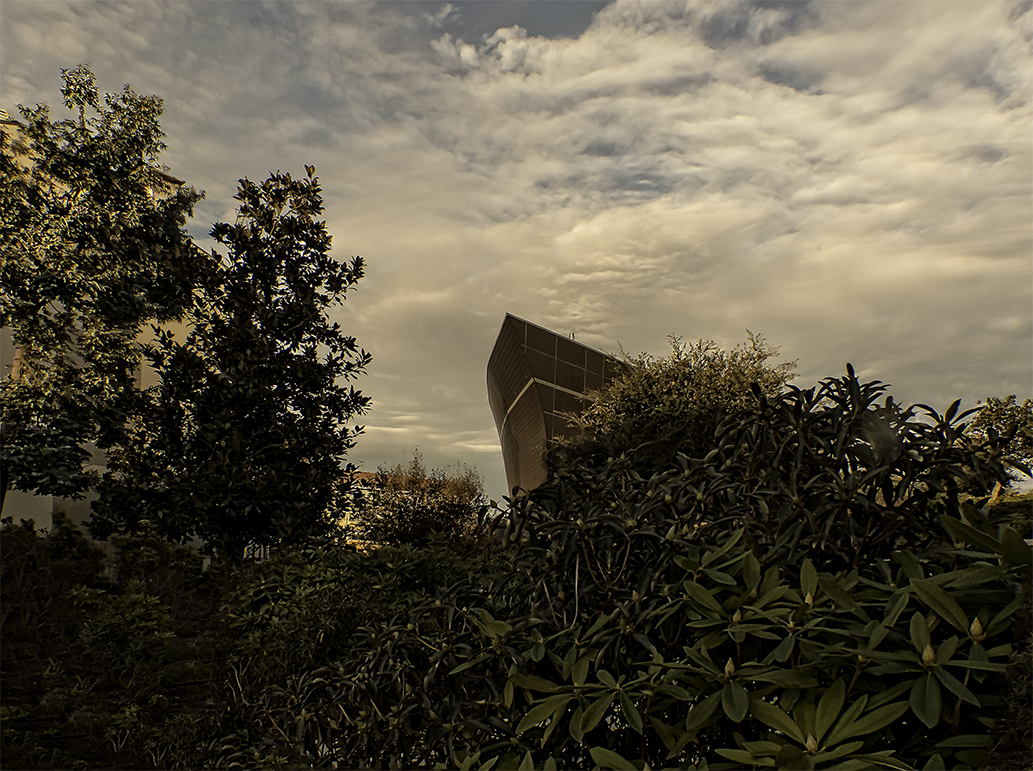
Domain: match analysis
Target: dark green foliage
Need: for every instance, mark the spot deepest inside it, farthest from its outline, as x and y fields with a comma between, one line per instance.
x=91, y=230
x=98, y=675
x=658, y=407
x=292, y=615
x=242, y=439
x=411, y=505
x=630, y=630
x=827, y=472
x=1013, y=421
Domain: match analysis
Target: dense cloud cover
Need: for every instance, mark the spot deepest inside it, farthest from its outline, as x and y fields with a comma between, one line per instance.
x=853, y=180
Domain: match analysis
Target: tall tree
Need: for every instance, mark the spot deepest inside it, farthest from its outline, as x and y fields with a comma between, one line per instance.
x=244, y=435
x=93, y=244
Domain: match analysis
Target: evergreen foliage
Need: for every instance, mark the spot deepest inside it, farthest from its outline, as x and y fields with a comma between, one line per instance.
x=1013, y=421
x=91, y=229
x=407, y=504
x=243, y=438
x=660, y=406
x=630, y=631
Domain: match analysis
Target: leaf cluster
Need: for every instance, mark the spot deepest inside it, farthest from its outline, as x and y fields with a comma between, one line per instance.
x=630, y=632
x=659, y=406
x=409, y=504
x=243, y=438
x=91, y=229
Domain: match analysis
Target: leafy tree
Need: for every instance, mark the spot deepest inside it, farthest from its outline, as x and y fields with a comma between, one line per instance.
x=407, y=504
x=660, y=406
x=243, y=437
x=91, y=230
x=1014, y=422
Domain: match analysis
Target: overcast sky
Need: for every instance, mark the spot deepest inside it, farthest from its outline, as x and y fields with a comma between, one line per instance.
x=850, y=179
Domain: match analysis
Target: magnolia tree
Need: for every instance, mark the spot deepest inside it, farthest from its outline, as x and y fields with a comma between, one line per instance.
x=242, y=439
x=94, y=247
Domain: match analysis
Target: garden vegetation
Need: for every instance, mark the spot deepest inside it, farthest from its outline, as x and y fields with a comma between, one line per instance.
x=785, y=577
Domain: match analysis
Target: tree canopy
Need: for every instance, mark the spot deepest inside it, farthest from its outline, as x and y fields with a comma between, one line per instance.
x=243, y=437
x=94, y=246
x=409, y=504
x=1007, y=419
x=658, y=406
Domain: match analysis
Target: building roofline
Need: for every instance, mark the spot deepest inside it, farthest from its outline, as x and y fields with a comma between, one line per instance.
x=553, y=332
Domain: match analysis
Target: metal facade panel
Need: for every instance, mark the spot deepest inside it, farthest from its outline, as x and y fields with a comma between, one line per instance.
x=535, y=375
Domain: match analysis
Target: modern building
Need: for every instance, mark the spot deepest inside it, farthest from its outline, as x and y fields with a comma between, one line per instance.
x=535, y=377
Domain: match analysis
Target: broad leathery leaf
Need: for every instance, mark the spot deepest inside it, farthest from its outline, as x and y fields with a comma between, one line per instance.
x=703, y=597
x=534, y=683
x=596, y=711
x=471, y=663
x=802, y=763
x=710, y=556
x=773, y=717
x=834, y=589
x=751, y=571
x=838, y=752
x=955, y=686
x=805, y=716
x=665, y=731
x=881, y=759
x=744, y=758
x=550, y=764
x=846, y=720
x=961, y=532
x=493, y=627
x=1015, y=550
x=735, y=701
x=926, y=700
x=606, y=679
x=966, y=740
x=720, y=577
x=946, y=607
x=787, y=678
x=568, y=661
x=789, y=753
x=527, y=764
x=829, y=708
x=605, y=758
x=631, y=713
x=894, y=607
x=868, y=723
x=575, y=725
x=543, y=711
x=878, y=635
x=919, y=633
x=784, y=649
x=808, y=578
x=580, y=671
x=701, y=711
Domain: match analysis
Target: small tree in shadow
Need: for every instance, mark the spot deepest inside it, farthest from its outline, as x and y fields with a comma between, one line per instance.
x=408, y=504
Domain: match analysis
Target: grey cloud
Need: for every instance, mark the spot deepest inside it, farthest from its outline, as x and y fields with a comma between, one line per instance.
x=627, y=182
x=796, y=79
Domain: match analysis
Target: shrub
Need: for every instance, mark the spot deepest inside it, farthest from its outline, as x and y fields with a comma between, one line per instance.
x=670, y=620
x=410, y=505
x=657, y=407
